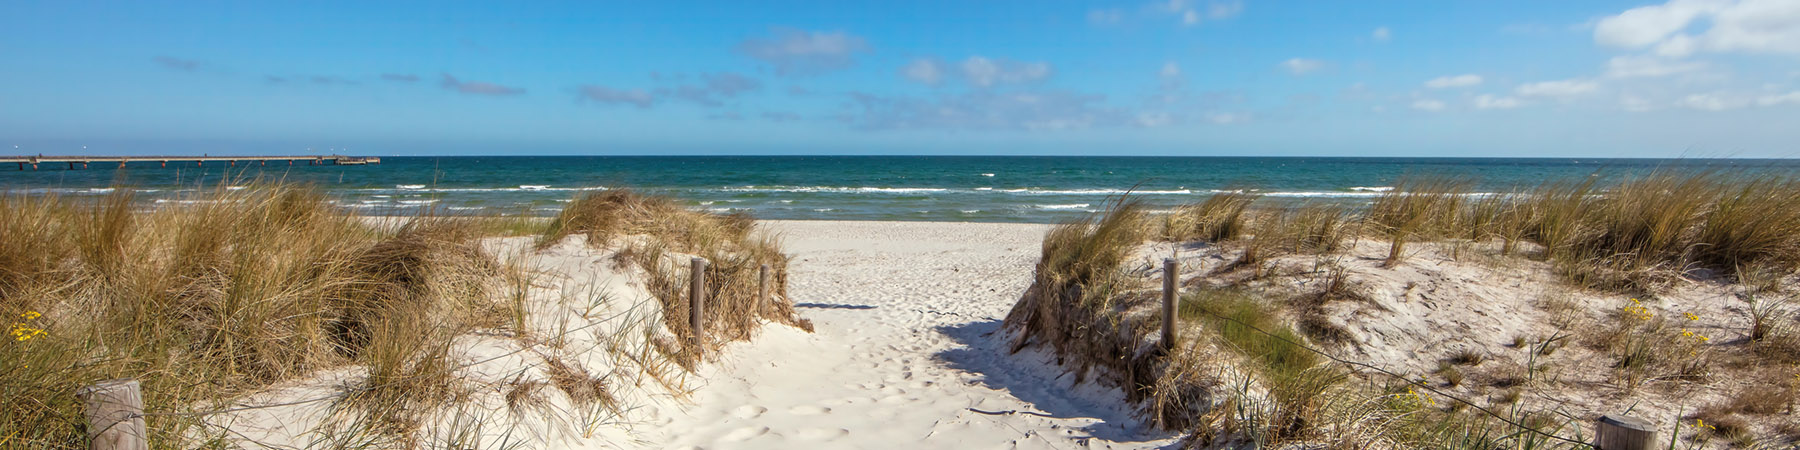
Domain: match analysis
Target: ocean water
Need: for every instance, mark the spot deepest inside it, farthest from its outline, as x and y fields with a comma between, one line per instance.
x=935, y=188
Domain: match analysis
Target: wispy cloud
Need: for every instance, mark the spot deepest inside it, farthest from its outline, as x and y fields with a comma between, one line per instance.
x=1559, y=88
x=1381, y=34
x=400, y=77
x=1747, y=26
x=477, y=87
x=1451, y=81
x=712, y=90
x=977, y=71
x=610, y=96
x=1302, y=66
x=176, y=63
x=800, y=52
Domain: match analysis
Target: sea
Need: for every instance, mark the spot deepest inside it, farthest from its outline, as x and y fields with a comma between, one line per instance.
x=1028, y=189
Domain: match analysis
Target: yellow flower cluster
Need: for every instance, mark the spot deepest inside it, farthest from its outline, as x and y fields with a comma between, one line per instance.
x=1421, y=398
x=1639, y=311
x=22, y=332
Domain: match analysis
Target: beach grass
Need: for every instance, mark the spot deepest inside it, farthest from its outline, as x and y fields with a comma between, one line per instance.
x=229, y=291
x=222, y=293
x=652, y=231
x=1634, y=235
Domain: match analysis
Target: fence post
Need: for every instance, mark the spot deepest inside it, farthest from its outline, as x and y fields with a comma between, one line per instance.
x=762, y=303
x=697, y=305
x=1624, y=433
x=1171, y=278
x=115, y=415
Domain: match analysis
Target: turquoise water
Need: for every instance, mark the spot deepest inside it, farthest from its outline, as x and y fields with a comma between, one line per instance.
x=984, y=189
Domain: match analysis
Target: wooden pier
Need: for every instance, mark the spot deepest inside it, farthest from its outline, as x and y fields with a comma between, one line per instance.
x=199, y=161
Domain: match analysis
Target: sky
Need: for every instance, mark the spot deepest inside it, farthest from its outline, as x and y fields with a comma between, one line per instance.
x=1685, y=78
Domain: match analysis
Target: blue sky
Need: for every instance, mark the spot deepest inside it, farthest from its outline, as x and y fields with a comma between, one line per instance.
x=1686, y=78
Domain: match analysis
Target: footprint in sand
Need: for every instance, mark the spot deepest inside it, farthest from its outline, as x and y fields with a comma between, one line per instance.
x=743, y=434
x=748, y=411
x=821, y=434
x=808, y=410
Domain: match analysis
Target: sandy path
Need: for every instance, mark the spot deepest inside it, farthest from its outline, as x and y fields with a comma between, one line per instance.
x=902, y=357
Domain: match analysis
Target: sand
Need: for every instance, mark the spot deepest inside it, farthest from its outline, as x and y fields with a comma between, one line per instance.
x=907, y=353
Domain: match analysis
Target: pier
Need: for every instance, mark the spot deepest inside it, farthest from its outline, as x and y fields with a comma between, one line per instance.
x=198, y=161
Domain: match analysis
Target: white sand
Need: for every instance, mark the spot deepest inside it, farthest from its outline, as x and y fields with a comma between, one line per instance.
x=907, y=354
x=902, y=356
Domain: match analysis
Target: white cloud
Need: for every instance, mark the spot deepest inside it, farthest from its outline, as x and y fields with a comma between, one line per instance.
x=800, y=52
x=1645, y=25
x=1778, y=99
x=1382, y=34
x=1647, y=66
x=1428, y=105
x=1486, y=101
x=1560, y=88
x=1190, y=18
x=1712, y=102
x=1464, y=80
x=924, y=70
x=1749, y=26
x=984, y=72
x=1302, y=66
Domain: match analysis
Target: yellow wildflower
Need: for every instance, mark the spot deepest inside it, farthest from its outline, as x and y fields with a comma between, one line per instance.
x=22, y=333
x=31, y=315
x=1691, y=316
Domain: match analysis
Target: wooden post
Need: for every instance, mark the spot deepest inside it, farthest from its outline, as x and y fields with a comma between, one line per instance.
x=115, y=415
x=697, y=304
x=1171, y=291
x=762, y=297
x=1624, y=433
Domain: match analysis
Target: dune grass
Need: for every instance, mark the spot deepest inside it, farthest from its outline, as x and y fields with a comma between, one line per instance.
x=650, y=230
x=220, y=294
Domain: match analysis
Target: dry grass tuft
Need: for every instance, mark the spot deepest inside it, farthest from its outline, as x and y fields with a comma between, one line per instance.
x=224, y=293
x=1219, y=218
x=651, y=231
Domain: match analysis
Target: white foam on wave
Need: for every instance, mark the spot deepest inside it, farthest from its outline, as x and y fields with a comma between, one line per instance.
x=984, y=189
x=864, y=189
x=1098, y=191
x=970, y=211
x=987, y=174
x=417, y=202
x=708, y=202
x=520, y=188
x=1068, y=206
x=465, y=208
x=1372, y=188
x=823, y=209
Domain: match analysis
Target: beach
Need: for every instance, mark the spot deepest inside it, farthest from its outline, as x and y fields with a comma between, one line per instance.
x=907, y=351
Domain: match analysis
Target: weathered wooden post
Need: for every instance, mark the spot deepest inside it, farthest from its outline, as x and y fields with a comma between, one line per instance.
x=1615, y=432
x=115, y=415
x=1171, y=276
x=762, y=297
x=697, y=305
